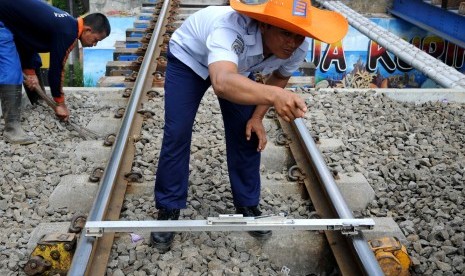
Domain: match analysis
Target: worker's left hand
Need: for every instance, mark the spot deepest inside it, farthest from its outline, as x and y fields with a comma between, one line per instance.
x=31, y=81
x=255, y=125
x=62, y=112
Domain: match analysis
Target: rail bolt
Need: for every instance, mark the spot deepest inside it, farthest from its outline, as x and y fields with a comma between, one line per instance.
x=109, y=140
x=133, y=176
x=295, y=174
x=97, y=173
x=36, y=266
x=77, y=223
x=120, y=113
x=127, y=92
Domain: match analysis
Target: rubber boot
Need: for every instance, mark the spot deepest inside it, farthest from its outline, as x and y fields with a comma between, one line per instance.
x=10, y=97
x=163, y=240
x=253, y=211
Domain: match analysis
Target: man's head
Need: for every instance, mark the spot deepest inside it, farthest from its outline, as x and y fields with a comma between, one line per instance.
x=279, y=42
x=295, y=16
x=96, y=28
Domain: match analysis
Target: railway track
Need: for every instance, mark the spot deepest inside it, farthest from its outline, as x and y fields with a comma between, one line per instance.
x=168, y=11
x=292, y=170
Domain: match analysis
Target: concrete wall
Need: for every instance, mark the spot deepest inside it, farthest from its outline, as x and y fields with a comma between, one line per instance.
x=132, y=7
x=116, y=7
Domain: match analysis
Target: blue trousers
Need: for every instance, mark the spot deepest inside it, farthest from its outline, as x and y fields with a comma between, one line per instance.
x=184, y=90
x=10, y=65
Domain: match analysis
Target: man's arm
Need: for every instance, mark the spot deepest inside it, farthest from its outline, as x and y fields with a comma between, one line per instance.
x=230, y=85
x=58, y=56
x=275, y=79
x=30, y=62
x=255, y=123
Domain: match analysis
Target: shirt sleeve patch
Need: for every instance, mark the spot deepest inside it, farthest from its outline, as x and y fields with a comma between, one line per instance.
x=238, y=45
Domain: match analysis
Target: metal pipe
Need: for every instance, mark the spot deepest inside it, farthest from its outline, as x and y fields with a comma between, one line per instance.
x=366, y=257
x=444, y=75
x=443, y=71
x=84, y=247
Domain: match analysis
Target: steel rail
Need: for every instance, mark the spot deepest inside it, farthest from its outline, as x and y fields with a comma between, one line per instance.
x=436, y=70
x=97, y=213
x=364, y=253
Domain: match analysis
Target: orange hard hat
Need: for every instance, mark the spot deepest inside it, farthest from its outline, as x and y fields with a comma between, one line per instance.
x=297, y=16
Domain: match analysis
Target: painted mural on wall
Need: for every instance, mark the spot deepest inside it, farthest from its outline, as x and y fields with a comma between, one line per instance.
x=358, y=62
x=96, y=58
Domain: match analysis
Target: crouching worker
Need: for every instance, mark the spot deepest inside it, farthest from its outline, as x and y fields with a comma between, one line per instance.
x=29, y=27
x=220, y=47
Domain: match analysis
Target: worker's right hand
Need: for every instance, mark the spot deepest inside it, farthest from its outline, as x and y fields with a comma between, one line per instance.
x=31, y=81
x=289, y=105
x=62, y=112
x=255, y=125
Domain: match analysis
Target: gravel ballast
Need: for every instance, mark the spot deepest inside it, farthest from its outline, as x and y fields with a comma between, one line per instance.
x=411, y=154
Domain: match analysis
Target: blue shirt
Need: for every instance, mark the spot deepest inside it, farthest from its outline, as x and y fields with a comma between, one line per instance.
x=38, y=27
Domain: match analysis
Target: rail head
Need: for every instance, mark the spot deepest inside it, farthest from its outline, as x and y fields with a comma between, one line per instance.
x=364, y=255
x=85, y=245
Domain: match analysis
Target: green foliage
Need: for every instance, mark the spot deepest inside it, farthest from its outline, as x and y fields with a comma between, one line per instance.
x=77, y=80
x=80, y=6
x=61, y=4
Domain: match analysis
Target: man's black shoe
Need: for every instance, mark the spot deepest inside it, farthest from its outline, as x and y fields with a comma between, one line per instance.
x=253, y=211
x=163, y=240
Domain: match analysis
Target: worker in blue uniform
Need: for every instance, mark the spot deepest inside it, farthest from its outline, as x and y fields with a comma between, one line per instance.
x=221, y=47
x=29, y=27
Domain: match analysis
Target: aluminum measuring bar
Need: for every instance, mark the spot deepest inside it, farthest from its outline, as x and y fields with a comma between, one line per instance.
x=230, y=223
